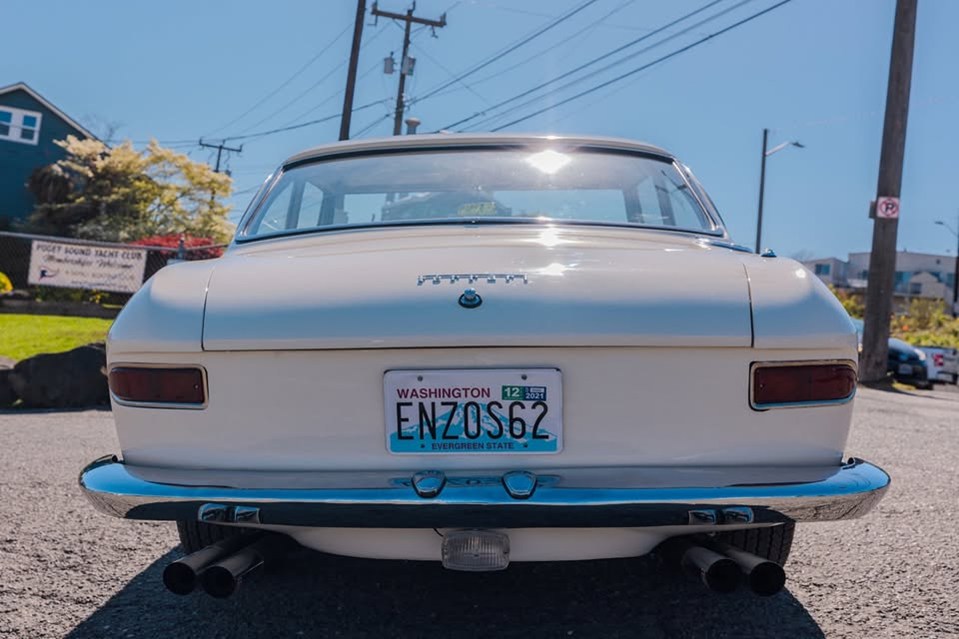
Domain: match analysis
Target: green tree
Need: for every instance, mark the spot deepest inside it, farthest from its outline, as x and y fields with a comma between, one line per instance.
x=121, y=194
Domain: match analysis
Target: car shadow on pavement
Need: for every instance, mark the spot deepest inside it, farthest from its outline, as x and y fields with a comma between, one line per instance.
x=320, y=595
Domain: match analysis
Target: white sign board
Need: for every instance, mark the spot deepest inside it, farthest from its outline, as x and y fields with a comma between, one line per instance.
x=887, y=208
x=118, y=270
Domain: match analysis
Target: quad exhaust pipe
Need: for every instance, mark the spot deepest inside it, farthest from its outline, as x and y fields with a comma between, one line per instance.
x=722, y=567
x=764, y=577
x=220, y=568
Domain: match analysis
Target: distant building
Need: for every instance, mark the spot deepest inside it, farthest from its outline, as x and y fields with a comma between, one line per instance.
x=830, y=270
x=917, y=274
x=29, y=124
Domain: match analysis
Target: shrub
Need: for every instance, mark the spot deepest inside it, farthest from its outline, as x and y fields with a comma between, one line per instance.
x=852, y=302
x=172, y=241
x=926, y=323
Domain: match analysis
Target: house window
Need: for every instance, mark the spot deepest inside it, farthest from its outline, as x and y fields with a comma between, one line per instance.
x=17, y=125
x=822, y=269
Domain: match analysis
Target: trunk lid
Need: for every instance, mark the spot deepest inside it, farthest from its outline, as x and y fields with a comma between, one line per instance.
x=540, y=286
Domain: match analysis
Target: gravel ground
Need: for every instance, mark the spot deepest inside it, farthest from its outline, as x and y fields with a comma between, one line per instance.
x=66, y=570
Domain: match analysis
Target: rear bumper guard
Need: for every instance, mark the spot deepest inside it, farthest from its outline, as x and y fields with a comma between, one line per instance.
x=590, y=498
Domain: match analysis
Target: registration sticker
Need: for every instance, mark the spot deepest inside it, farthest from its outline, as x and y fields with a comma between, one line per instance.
x=473, y=411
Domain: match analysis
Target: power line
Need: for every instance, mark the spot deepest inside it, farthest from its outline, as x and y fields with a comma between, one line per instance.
x=593, y=74
x=376, y=65
x=589, y=63
x=336, y=68
x=453, y=75
x=592, y=25
x=516, y=45
x=645, y=66
x=300, y=125
x=286, y=82
x=371, y=125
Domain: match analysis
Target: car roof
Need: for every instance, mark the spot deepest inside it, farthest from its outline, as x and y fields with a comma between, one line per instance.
x=454, y=140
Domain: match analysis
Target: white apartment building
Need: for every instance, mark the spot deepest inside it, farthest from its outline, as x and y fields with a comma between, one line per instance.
x=917, y=274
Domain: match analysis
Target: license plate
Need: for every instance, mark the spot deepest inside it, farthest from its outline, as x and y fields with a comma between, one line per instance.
x=474, y=411
x=905, y=369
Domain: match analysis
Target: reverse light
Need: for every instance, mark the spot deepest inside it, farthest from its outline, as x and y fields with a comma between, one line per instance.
x=172, y=387
x=475, y=550
x=783, y=384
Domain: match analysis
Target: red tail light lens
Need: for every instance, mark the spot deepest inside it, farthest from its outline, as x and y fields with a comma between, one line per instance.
x=158, y=385
x=798, y=384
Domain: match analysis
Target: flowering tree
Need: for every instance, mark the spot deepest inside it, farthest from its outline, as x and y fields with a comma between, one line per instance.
x=121, y=194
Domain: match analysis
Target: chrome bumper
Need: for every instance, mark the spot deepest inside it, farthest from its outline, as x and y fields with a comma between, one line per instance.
x=596, y=497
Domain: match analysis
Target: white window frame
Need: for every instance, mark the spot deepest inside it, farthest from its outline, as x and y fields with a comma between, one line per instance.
x=16, y=125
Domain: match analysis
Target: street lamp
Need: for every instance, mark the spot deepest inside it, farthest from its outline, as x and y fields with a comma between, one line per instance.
x=762, y=180
x=955, y=274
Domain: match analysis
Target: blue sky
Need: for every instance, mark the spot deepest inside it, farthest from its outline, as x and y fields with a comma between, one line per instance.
x=812, y=70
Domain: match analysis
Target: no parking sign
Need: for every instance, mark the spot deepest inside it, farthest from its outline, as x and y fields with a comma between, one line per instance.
x=887, y=207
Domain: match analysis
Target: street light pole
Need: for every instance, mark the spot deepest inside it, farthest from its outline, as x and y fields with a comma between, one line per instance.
x=762, y=181
x=955, y=274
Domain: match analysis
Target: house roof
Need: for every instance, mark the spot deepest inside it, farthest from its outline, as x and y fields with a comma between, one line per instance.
x=22, y=86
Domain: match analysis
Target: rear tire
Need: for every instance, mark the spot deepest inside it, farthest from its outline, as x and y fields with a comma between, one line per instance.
x=772, y=543
x=195, y=535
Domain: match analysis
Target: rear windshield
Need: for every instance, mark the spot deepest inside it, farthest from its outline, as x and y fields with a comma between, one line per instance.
x=494, y=185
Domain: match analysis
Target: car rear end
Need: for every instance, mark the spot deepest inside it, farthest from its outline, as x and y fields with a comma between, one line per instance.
x=942, y=364
x=539, y=391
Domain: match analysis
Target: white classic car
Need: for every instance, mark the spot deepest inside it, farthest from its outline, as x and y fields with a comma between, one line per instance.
x=484, y=349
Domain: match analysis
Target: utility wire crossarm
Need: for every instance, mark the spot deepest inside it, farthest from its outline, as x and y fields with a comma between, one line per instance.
x=405, y=68
x=220, y=148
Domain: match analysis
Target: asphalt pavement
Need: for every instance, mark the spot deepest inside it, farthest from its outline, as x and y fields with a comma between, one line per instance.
x=68, y=571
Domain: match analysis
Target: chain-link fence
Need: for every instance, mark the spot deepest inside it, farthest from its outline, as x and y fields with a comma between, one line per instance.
x=65, y=269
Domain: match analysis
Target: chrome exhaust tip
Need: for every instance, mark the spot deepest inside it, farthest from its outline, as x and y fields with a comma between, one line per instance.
x=717, y=572
x=764, y=577
x=182, y=576
x=223, y=578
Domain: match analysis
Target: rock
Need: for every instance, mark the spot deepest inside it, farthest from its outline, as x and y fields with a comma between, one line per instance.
x=63, y=380
x=18, y=294
x=7, y=396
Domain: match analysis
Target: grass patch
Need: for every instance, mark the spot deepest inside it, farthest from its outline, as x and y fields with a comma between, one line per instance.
x=23, y=336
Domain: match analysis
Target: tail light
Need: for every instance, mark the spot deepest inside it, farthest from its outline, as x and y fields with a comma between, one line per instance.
x=165, y=387
x=782, y=384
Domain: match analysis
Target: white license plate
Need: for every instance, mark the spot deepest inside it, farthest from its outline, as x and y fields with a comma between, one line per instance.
x=905, y=369
x=500, y=410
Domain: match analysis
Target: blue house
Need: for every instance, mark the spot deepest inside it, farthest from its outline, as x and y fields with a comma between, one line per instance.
x=29, y=124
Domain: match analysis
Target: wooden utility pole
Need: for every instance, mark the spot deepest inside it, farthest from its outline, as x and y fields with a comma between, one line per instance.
x=405, y=66
x=882, y=259
x=351, y=73
x=220, y=148
x=762, y=190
